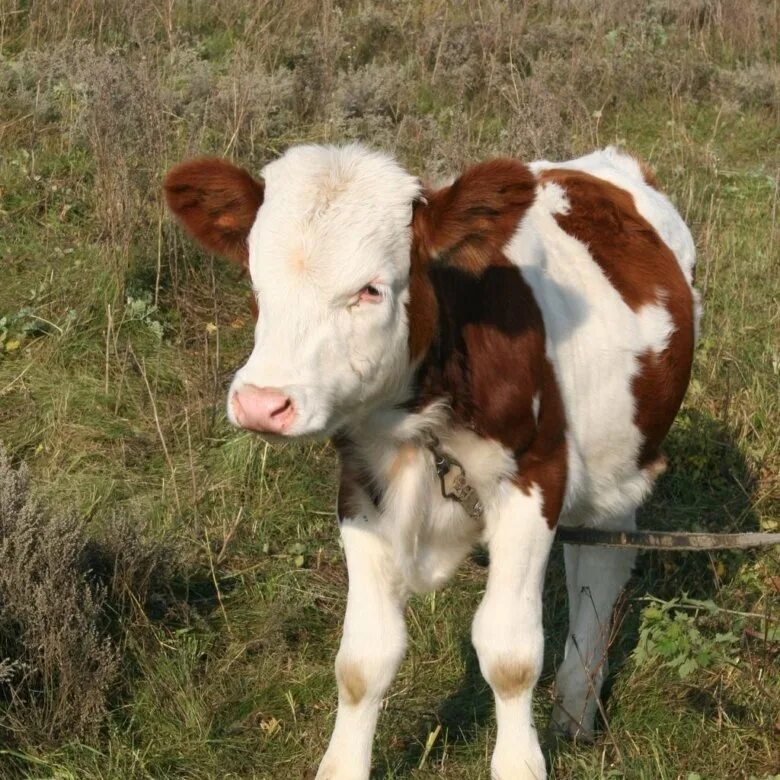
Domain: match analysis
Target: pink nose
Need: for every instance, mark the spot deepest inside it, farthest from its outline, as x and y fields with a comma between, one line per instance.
x=262, y=409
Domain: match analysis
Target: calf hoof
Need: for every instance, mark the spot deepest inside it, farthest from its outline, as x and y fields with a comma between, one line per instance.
x=565, y=726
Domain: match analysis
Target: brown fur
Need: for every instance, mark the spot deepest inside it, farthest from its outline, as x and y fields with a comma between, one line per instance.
x=643, y=269
x=477, y=212
x=351, y=682
x=474, y=218
x=475, y=326
x=353, y=481
x=347, y=501
x=217, y=203
x=510, y=678
x=544, y=463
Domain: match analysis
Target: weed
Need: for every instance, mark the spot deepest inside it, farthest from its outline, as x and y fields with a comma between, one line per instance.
x=672, y=635
x=142, y=310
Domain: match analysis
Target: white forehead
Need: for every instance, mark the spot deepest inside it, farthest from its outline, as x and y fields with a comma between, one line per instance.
x=335, y=214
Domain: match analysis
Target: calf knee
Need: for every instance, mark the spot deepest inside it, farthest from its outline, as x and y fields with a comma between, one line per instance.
x=510, y=664
x=510, y=676
x=510, y=652
x=365, y=674
x=351, y=680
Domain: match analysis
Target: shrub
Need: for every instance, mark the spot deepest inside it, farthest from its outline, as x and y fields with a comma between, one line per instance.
x=64, y=600
x=58, y=663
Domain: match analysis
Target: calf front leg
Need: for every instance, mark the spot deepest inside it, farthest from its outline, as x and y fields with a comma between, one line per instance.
x=507, y=629
x=372, y=646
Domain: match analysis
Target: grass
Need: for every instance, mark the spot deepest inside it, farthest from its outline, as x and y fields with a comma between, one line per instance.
x=118, y=338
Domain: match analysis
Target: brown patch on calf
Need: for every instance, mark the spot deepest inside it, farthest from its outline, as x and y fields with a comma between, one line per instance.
x=254, y=308
x=348, y=498
x=422, y=310
x=644, y=271
x=545, y=463
x=624, y=244
x=217, y=203
x=510, y=678
x=353, y=483
x=476, y=329
x=351, y=681
x=659, y=388
x=465, y=225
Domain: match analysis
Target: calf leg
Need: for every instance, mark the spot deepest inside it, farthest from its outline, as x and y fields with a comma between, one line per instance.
x=507, y=629
x=372, y=646
x=594, y=578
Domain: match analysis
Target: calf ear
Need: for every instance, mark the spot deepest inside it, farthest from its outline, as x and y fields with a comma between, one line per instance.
x=216, y=202
x=467, y=222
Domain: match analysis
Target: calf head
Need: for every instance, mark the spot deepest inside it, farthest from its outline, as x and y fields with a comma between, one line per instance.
x=339, y=243
x=326, y=236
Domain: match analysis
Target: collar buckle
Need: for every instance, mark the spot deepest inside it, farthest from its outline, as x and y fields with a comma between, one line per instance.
x=452, y=480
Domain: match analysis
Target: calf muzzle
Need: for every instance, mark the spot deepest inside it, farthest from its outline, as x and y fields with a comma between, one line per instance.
x=263, y=409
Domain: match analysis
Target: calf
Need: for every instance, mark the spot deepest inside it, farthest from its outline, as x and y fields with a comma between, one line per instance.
x=490, y=359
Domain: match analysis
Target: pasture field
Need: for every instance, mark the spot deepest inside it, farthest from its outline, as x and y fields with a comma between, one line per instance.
x=171, y=589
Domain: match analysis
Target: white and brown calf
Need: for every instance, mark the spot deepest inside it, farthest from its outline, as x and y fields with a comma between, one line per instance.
x=537, y=321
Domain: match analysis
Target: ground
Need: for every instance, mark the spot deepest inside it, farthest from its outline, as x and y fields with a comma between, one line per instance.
x=203, y=564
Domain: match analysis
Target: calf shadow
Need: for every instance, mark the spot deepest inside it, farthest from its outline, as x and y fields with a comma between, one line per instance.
x=709, y=486
x=461, y=716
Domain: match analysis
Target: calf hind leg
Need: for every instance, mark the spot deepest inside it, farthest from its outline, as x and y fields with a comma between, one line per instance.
x=594, y=578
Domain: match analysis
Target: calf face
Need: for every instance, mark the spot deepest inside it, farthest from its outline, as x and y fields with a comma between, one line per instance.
x=326, y=236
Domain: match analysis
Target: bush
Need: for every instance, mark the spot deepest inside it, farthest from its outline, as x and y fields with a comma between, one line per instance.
x=64, y=600
x=59, y=665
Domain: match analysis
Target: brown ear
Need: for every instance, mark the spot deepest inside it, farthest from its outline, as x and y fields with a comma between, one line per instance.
x=473, y=218
x=216, y=202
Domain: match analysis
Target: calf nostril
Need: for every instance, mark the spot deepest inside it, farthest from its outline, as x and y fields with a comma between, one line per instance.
x=283, y=409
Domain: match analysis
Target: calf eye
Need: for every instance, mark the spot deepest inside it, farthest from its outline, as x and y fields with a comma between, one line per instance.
x=370, y=294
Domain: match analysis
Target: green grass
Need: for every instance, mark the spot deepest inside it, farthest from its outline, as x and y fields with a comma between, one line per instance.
x=119, y=339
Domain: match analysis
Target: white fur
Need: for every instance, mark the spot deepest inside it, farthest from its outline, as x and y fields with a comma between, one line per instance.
x=336, y=219
x=536, y=403
x=595, y=577
x=429, y=535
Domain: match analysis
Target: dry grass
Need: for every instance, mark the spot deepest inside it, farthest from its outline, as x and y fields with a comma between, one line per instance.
x=207, y=629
